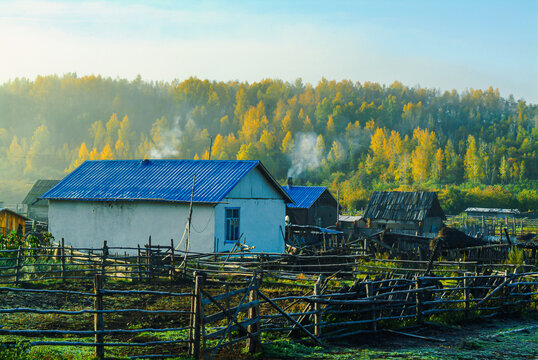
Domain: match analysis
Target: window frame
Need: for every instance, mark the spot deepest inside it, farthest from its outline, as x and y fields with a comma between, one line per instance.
x=226, y=229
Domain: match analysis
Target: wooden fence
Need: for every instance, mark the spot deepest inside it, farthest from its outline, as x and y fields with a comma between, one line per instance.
x=491, y=226
x=143, y=264
x=95, y=328
x=224, y=313
x=366, y=307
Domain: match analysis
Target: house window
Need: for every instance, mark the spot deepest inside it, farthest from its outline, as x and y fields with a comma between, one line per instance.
x=231, y=222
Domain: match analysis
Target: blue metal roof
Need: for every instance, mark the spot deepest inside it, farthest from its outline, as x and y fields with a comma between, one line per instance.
x=160, y=180
x=303, y=196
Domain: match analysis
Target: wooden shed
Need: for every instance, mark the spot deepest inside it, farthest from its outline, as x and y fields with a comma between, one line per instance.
x=407, y=212
x=11, y=221
x=312, y=205
x=36, y=208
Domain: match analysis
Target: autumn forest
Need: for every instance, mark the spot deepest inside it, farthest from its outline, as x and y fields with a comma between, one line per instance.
x=475, y=147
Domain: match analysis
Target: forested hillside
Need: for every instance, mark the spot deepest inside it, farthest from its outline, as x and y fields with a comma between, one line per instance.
x=475, y=147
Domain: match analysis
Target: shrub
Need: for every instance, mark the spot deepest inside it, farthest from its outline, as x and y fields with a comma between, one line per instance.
x=515, y=257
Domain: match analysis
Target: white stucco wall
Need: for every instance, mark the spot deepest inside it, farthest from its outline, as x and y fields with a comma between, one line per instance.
x=88, y=223
x=262, y=215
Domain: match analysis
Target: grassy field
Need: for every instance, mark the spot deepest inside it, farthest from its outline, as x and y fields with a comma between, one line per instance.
x=507, y=338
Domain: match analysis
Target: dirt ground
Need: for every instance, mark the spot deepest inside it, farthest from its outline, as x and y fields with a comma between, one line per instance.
x=494, y=338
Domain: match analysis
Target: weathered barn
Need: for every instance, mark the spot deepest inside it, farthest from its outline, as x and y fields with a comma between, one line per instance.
x=126, y=201
x=312, y=205
x=11, y=221
x=412, y=212
x=36, y=208
x=491, y=212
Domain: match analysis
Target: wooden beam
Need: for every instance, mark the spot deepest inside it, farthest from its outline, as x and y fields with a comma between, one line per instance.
x=290, y=318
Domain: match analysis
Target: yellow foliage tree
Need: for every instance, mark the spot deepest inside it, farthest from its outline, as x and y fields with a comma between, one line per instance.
x=377, y=143
x=94, y=154
x=120, y=149
x=438, y=165
x=307, y=124
x=330, y=126
x=83, y=152
x=112, y=127
x=268, y=139
x=472, y=162
x=423, y=154
x=218, y=148
x=107, y=153
x=253, y=121
x=287, y=143
x=83, y=155
x=246, y=152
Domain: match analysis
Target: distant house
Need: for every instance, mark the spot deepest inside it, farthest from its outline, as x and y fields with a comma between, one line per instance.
x=418, y=212
x=312, y=205
x=126, y=201
x=38, y=209
x=491, y=212
x=11, y=221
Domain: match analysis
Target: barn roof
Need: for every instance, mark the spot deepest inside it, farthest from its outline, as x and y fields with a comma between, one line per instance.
x=156, y=180
x=403, y=206
x=305, y=196
x=40, y=187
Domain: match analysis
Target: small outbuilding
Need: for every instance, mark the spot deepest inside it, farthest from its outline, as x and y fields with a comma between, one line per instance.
x=491, y=212
x=312, y=205
x=408, y=212
x=36, y=208
x=126, y=201
x=350, y=224
x=11, y=221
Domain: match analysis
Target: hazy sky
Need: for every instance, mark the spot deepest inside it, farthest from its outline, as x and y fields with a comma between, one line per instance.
x=436, y=44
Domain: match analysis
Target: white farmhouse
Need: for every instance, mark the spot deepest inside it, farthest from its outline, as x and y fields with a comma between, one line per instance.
x=126, y=201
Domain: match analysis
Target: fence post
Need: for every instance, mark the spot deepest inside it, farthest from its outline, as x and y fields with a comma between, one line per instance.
x=172, y=261
x=504, y=299
x=19, y=263
x=139, y=264
x=419, y=301
x=466, y=284
x=62, y=257
x=227, y=290
x=104, y=255
x=253, y=342
x=148, y=259
x=369, y=293
x=196, y=321
x=98, y=323
x=317, y=307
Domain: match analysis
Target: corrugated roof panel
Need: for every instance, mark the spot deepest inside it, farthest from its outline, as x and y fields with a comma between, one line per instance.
x=161, y=180
x=303, y=196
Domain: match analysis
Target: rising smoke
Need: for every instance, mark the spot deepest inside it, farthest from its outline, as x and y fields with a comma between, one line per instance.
x=168, y=144
x=305, y=154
